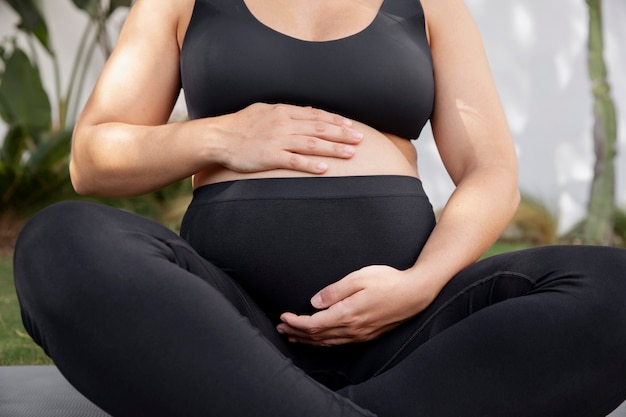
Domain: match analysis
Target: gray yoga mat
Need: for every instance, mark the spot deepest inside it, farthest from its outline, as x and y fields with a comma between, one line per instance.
x=41, y=391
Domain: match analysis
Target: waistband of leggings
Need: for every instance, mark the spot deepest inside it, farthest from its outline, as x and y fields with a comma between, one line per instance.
x=309, y=188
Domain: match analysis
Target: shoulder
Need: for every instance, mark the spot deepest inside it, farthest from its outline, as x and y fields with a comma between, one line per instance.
x=167, y=16
x=443, y=15
x=451, y=28
x=436, y=8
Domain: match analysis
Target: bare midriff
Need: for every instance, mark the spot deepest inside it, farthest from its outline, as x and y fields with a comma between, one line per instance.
x=377, y=154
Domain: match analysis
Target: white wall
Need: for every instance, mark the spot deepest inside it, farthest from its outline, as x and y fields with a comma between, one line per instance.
x=537, y=49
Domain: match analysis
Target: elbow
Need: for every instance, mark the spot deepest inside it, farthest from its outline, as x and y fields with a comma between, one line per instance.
x=80, y=185
x=517, y=197
x=93, y=180
x=510, y=189
x=86, y=173
x=98, y=178
x=503, y=183
x=508, y=184
x=90, y=172
x=515, y=200
x=79, y=173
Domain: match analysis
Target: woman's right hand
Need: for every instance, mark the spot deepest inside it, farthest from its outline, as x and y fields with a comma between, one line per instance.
x=281, y=136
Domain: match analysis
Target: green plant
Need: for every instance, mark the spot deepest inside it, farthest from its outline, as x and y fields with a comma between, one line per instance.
x=34, y=29
x=620, y=225
x=16, y=346
x=33, y=157
x=34, y=152
x=598, y=227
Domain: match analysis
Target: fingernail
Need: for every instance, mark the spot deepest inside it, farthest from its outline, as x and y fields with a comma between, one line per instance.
x=316, y=301
x=347, y=122
x=348, y=150
x=357, y=135
x=321, y=167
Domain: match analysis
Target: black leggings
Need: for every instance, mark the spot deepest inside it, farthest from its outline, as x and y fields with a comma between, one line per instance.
x=143, y=325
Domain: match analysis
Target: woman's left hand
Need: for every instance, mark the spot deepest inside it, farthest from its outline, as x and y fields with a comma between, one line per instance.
x=360, y=307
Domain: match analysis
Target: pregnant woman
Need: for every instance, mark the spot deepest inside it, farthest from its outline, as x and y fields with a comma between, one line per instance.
x=310, y=277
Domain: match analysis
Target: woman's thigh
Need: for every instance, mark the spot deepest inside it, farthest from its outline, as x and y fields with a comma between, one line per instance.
x=77, y=247
x=122, y=306
x=540, y=332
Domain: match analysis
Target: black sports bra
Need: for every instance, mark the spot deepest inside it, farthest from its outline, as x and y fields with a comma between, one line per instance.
x=381, y=76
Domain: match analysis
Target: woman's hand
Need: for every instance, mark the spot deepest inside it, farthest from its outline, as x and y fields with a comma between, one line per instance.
x=275, y=136
x=360, y=307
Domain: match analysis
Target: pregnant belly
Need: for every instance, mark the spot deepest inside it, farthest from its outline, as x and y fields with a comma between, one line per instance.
x=377, y=154
x=283, y=239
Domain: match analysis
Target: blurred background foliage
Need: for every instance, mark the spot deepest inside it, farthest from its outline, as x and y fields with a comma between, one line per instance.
x=34, y=152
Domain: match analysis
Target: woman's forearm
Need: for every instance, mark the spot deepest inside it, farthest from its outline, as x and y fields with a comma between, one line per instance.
x=119, y=159
x=474, y=217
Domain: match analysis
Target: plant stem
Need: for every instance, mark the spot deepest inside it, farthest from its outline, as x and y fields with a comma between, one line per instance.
x=601, y=215
x=83, y=75
x=76, y=68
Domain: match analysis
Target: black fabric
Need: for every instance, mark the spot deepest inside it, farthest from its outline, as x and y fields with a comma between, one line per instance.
x=381, y=76
x=265, y=233
x=143, y=325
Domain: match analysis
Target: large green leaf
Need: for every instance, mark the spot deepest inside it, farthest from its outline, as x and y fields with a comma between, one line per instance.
x=5, y=107
x=90, y=6
x=53, y=150
x=23, y=99
x=32, y=21
x=13, y=147
x=115, y=4
x=40, y=177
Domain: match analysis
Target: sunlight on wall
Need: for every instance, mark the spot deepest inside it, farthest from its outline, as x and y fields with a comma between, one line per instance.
x=523, y=25
x=538, y=51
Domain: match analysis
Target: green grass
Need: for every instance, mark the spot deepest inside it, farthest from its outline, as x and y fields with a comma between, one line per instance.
x=16, y=346
x=503, y=247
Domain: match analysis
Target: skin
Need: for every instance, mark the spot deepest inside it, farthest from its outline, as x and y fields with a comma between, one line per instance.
x=122, y=144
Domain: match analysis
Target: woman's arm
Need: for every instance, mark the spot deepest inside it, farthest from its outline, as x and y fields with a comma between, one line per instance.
x=123, y=146
x=476, y=147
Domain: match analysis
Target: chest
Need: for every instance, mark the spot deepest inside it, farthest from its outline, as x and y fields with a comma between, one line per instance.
x=315, y=21
x=380, y=75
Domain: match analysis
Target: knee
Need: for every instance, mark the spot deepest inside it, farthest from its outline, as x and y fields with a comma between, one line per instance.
x=53, y=227
x=606, y=273
x=613, y=279
x=597, y=269
x=53, y=238
x=45, y=247
x=608, y=267
x=47, y=225
x=593, y=277
x=74, y=241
